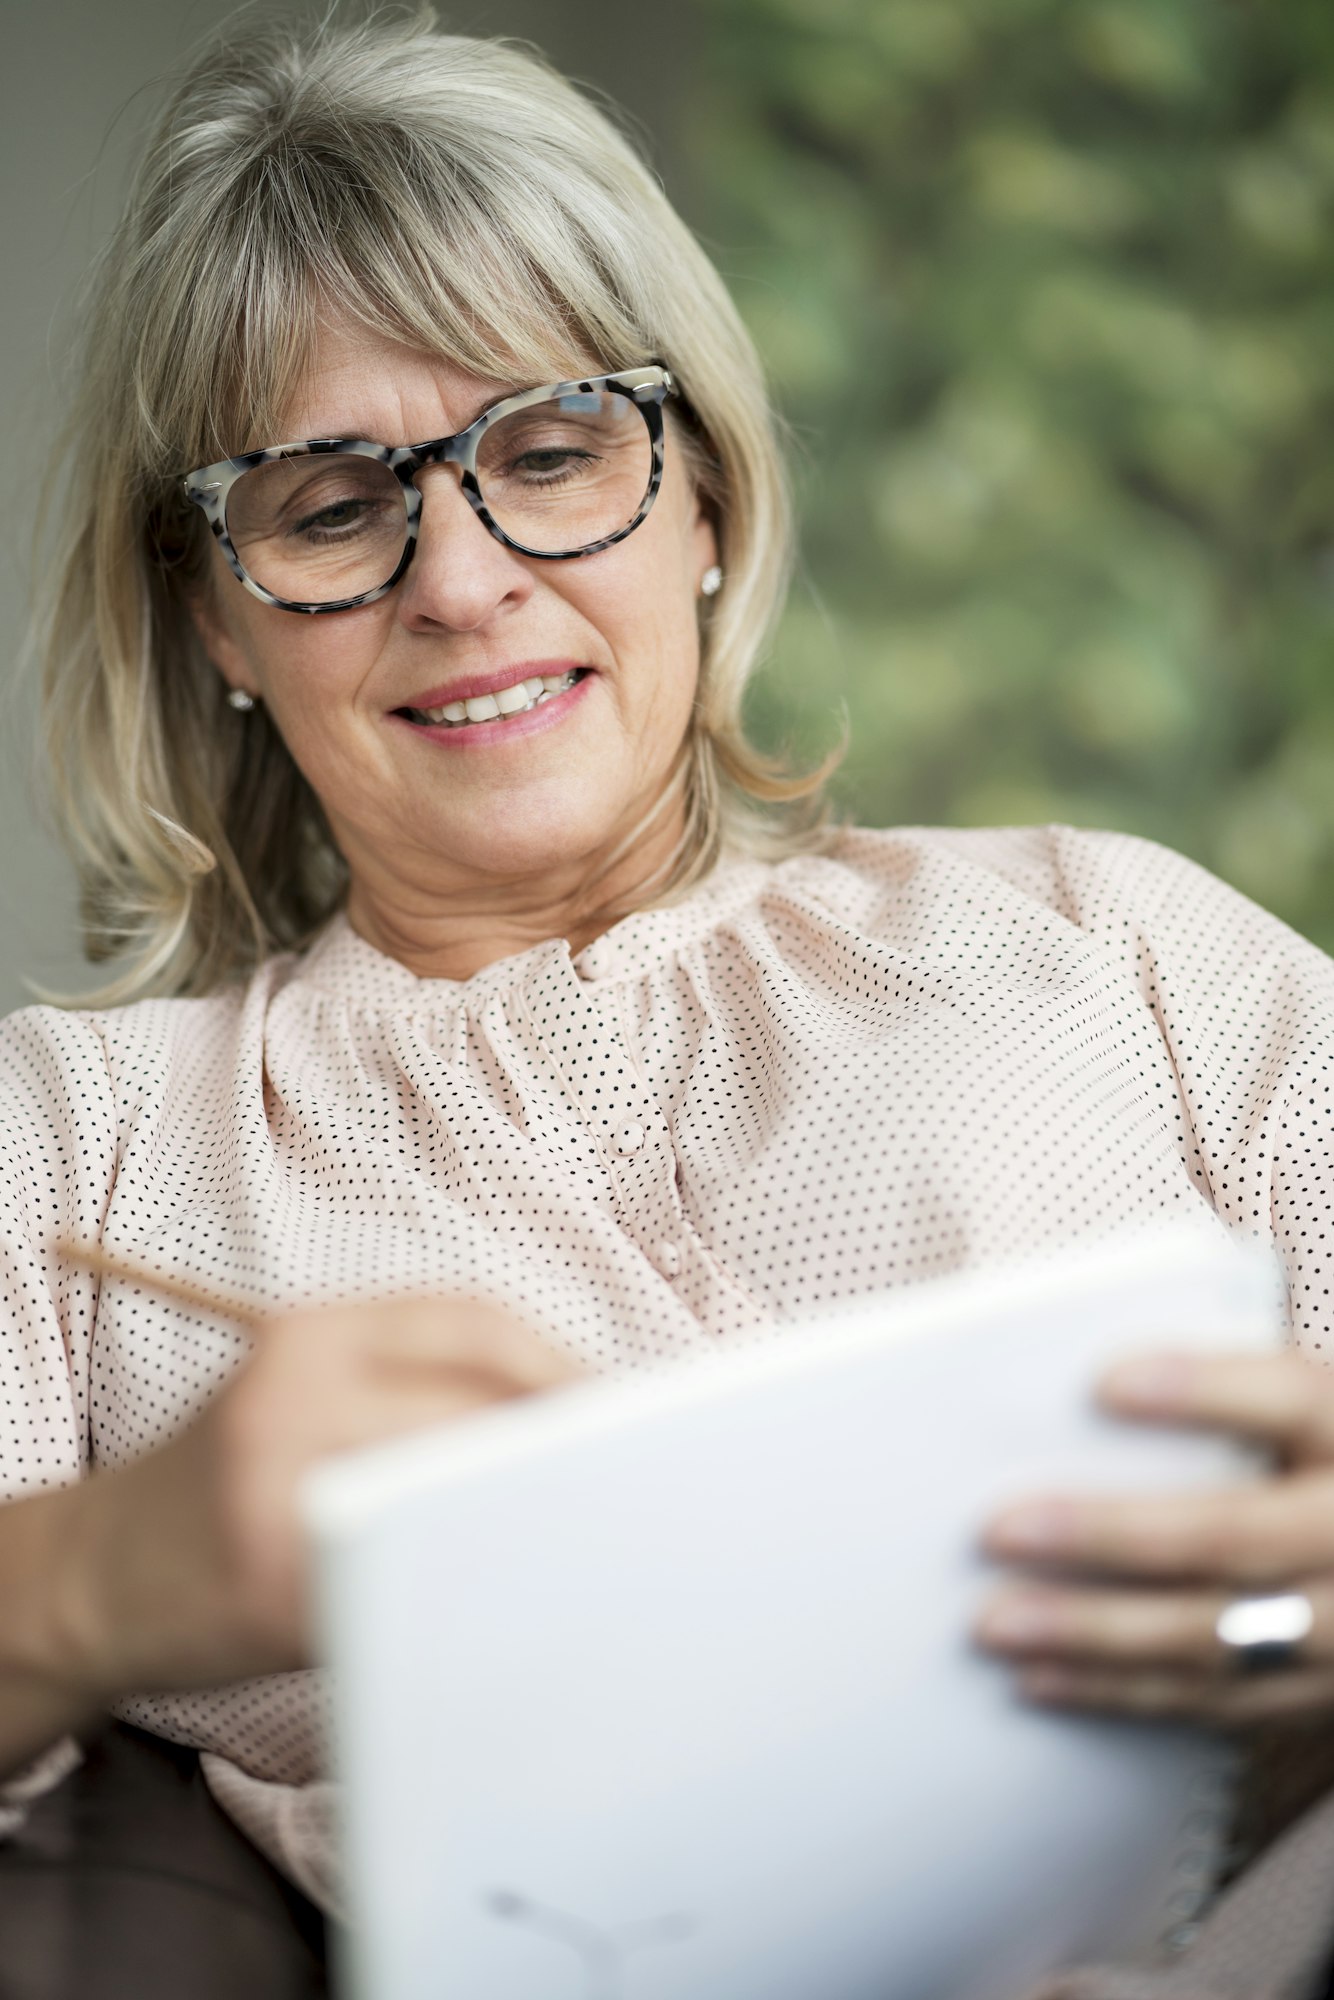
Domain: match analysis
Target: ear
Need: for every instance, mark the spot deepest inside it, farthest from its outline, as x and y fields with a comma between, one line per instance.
x=218, y=639
x=704, y=539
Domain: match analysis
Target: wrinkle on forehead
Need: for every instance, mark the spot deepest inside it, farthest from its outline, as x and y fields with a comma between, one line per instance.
x=357, y=383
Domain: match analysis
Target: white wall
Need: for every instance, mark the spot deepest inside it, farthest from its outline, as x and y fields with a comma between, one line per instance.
x=77, y=86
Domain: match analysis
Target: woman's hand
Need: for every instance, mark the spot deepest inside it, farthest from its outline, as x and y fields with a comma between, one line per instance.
x=1135, y=1633
x=189, y=1566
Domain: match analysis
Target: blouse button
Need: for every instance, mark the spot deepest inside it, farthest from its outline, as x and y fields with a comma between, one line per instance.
x=629, y=1139
x=668, y=1259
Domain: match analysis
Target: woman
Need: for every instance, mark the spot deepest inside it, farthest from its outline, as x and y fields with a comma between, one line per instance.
x=491, y=1010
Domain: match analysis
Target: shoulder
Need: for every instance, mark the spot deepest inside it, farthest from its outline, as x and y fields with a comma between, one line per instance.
x=1106, y=884
x=1065, y=868
x=92, y=1064
x=1147, y=913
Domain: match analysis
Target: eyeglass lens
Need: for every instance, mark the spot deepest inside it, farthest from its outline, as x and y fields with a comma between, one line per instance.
x=555, y=477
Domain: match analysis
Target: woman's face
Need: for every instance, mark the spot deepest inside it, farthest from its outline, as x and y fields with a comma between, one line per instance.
x=480, y=811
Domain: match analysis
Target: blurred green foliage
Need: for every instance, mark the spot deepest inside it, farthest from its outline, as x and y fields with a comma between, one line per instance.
x=1046, y=290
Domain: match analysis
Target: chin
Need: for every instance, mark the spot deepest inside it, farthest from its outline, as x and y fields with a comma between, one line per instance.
x=529, y=842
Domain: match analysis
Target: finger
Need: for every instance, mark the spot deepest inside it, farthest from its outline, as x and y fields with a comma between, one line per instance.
x=1283, y=1400
x=402, y=1405
x=474, y=1334
x=1111, y=1628
x=1259, y=1534
x=486, y=1381
x=1294, y=1695
x=446, y=1336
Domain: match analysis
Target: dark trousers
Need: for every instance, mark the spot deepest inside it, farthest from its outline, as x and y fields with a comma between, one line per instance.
x=129, y=1883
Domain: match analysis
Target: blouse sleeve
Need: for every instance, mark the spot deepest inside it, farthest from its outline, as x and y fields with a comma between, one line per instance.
x=57, y=1168
x=1245, y=1008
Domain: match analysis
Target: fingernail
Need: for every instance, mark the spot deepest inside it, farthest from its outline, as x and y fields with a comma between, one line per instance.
x=1020, y=1621
x=1158, y=1381
x=1048, y=1526
x=1043, y=1683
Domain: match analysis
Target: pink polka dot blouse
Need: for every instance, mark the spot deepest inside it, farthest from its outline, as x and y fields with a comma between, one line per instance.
x=802, y=1083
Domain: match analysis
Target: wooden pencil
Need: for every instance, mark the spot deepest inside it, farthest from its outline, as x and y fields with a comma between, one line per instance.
x=106, y=1265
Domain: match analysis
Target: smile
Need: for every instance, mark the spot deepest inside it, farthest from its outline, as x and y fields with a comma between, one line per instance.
x=520, y=699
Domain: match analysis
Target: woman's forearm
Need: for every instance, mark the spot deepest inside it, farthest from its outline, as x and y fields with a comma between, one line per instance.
x=189, y=1566
x=42, y=1696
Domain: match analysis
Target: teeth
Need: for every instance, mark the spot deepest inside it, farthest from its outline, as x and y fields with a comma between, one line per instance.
x=516, y=700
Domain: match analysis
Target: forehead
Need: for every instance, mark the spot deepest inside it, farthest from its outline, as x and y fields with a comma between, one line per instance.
x=356, y=383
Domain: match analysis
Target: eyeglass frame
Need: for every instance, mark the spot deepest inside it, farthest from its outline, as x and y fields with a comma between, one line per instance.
x=209, y=486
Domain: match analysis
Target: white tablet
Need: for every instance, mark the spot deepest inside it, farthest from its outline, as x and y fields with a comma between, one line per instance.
x=662, y=1689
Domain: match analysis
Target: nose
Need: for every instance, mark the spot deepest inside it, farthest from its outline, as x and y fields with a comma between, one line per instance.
x=459, y=574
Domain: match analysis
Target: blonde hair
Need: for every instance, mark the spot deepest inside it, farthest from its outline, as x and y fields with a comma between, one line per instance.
x=453, y=193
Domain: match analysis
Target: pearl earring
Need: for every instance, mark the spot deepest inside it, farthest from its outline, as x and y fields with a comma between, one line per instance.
x=711, y=582
x=238, y=698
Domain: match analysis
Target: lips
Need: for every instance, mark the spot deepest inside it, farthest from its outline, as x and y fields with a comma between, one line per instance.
x=487, y=732
x=474, y=685
x=502, y=706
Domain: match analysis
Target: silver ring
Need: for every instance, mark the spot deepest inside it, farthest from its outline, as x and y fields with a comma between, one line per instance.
x=1261, y=1634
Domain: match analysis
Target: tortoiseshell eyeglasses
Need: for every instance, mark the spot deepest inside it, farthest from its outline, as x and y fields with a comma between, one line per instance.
x=329, y=523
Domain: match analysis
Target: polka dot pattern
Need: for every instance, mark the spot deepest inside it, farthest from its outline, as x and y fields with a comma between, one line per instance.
x=802, y=1083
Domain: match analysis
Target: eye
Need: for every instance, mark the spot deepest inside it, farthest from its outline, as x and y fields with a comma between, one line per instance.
x=333, y=515
x=548, y=465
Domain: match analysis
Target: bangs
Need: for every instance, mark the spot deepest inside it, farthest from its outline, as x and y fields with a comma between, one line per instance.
x=400, y=238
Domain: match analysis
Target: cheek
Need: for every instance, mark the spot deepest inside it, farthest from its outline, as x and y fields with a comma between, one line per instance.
x=310, y=678
x=656, y=651
x=311, y=668
x=655, y=606
x=676, y=665
x=651, y=625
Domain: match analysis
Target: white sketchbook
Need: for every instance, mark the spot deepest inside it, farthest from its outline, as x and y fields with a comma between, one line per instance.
x=662, y=1690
